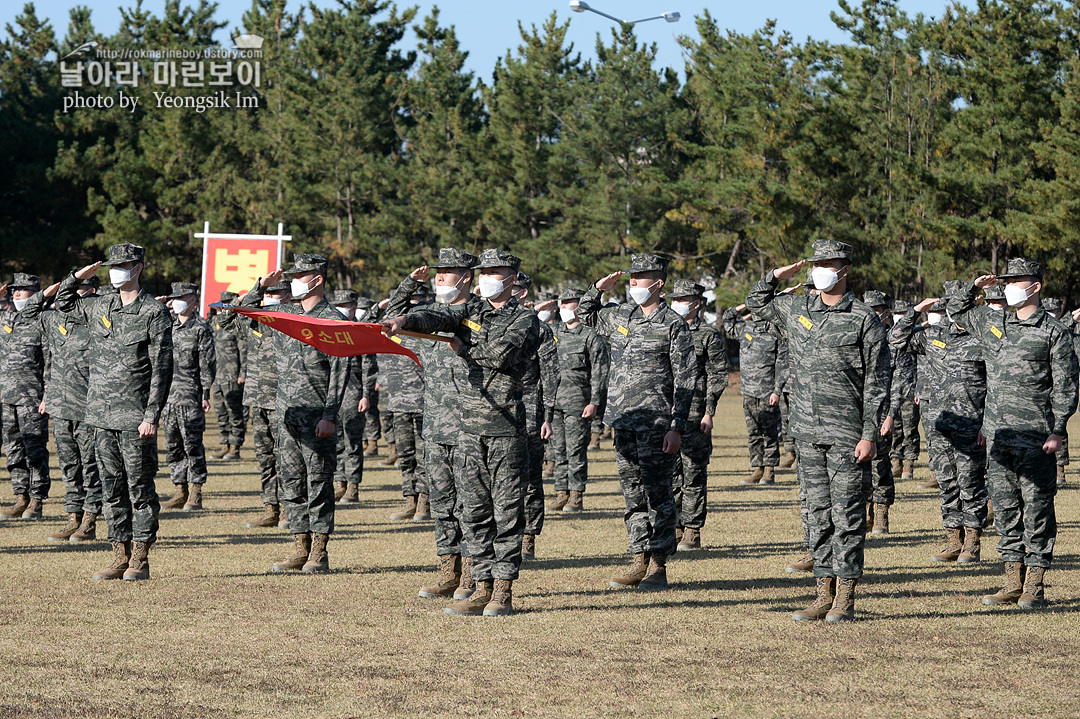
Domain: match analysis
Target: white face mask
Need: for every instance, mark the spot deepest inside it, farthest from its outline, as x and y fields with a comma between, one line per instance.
x=119, y=277
x=544, y=315
x=180, y=307
x=446, y=294
x=300, y=289
x=1016, y=296
x=897, y=317
x=19, y=304
x=343, y=310
x=641, y=295
x=491, y=286
x=824, y=278
x=682, y=309
x=271, y=301
x=567, y=315
x=934, y=318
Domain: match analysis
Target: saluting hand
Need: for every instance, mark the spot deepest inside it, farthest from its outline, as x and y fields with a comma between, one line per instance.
x=3, y=290
x=786, y=273
x=927, y=304
x=420, y=274
x=49, y=291
x=545, y=305
x=985, y=281
x=87, y=272
x=272, y=278
x=607, y=284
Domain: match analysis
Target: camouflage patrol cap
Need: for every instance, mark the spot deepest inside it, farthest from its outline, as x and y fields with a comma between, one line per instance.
x=283, y=286
x=831, y=250
x=182, y=289
x=523, y=280
x=229, y=297
x=1052, y=305
x=571, y=293
x=687, y=288
x=901, y=306
x=994, y=294
x=307, y=262
x=497, y=258
x=126, y=252
x=647, y=263
x=343, y=297
x=952, y=288
x=91, y=281
x=877, y=298
x=424, y=293
x=23, y=279
x=546, y=296
x=939, y=306
x=454, y=259
x=363, y=302
x=1020, y=267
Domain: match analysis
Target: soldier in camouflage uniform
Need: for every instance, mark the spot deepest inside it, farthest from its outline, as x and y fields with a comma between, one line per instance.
x=359, y=389
x=951, y=360
x=905, y=437
x=184, y=417
x=710, y=381
x=130, y=373
x=1031, y=394
x=24, y=365
x=1056, y=309
x=260, y=397
x=935, y=315
x=310, y=389
x=445, y=376
x=230, y=346
x=496, y=338
x=758, y=349
x=65, y=402
x=783, y=376
x=583, y=377
x=840, y=374
x=650, y=391
x=368, y=310
x=881, y=488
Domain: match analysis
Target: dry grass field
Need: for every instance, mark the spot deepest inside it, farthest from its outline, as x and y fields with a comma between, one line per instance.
x=216, y=634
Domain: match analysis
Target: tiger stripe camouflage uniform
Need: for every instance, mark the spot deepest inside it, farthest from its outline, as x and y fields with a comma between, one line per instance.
x=230, y=347
x=367, y=310
x=758, y=377
x=1056, y=308
x=260, y=397
x=352, y=423
x=404, y=392
x=783, y=375
x=881, y=485
x=906, y=441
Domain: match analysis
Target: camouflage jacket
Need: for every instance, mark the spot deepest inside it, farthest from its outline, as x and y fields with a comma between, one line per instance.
x=783, y=366
x=24, y=358
x=261, y=373
x=311, y=384
x=402, y=380
x=1031, y=371
x=130, y=356
x=230, y=347
x=583, y=368
x=651, y=380
x=840, y=371
x=360, y=379
x=499, y=344
x=69, y=359
x=710, y=351
x=194, y=362
x=759, y=348
x=904, y=365
x=542, y=382
x=953, y=367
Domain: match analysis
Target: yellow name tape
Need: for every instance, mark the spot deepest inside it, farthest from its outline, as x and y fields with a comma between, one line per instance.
x=805, y=322
x=7, y=329
x=63, y=330
x=996, y=331
x=105, y=321
x=623, y=331
x=749, y=338
x=471, y=325
x=938, y=343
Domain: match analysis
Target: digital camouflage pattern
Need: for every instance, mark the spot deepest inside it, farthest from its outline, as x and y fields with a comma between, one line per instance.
x=183, y=420
x=583, y=378
x=24, y=371
x=230, y=345
x=758, y=350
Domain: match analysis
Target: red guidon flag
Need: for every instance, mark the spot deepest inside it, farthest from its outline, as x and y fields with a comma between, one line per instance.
x=340, y=338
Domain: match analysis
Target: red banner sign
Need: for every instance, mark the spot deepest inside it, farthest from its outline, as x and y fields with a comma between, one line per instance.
x=232, y=263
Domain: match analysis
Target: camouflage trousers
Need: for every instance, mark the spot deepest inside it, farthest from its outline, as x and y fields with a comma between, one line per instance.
x=78, y=465
x=229, y=408
x=263, y=428
x=786, y=439
x=570, y=435
x=880, y=487
x=534, y=484
x=959, y=463
x=762, y=431
x=804, y=511
x=26, y=440
x=834, y=485
x=184, y=451
x=491, y=473
x=1023, y=483
x=307, y=465
x=409, y=435
x=443, y=496
x=1062, y=456
x=646, y=476
x=128, y=464
x=692, y=477
x=372, y=420
x=905, y=435
x=350, y=429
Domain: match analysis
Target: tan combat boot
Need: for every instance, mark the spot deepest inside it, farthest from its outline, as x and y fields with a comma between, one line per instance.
x=528, y=546
x=221, y=452
x=233, y=452
x=822, y=604
x=72, y=526
x=339, y=490
x=352, y=493
x=594, y=442
x=869, y=516
x=1013, y=589
x=34, y=510
x=559, y=501
x=194, y=500
x=406, y=512
x=371, y=448
x=907, y=473
x=678, y=535
x=656, y=576
x=691, y=539
x=179, y=498
x=87, y=531
x=548, y=469
x=768, y=475
x=448, y=579
x=1061, y=476
x=897, y=467
x=475, y=603
x=972, y=551
x=318, y=561
x=502, y=599
x=633, y=576
x=930, y=483
x=299, y=556
x=806, y=564
x=270, y=517
x=423, y=508
x=22, y=501
x=139, y=564
x=788, y=461
x=391, y=458
x=121, y=554
x=881, y=518
x=283, y=523
x=468, y=584
x=990, y=513
x=756, y=473
x=843, y=608
x=1033, y=596
x=953, y=546
x=575, y=503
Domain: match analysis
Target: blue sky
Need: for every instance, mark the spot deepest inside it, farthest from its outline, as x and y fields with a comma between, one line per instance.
x=488, y=28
